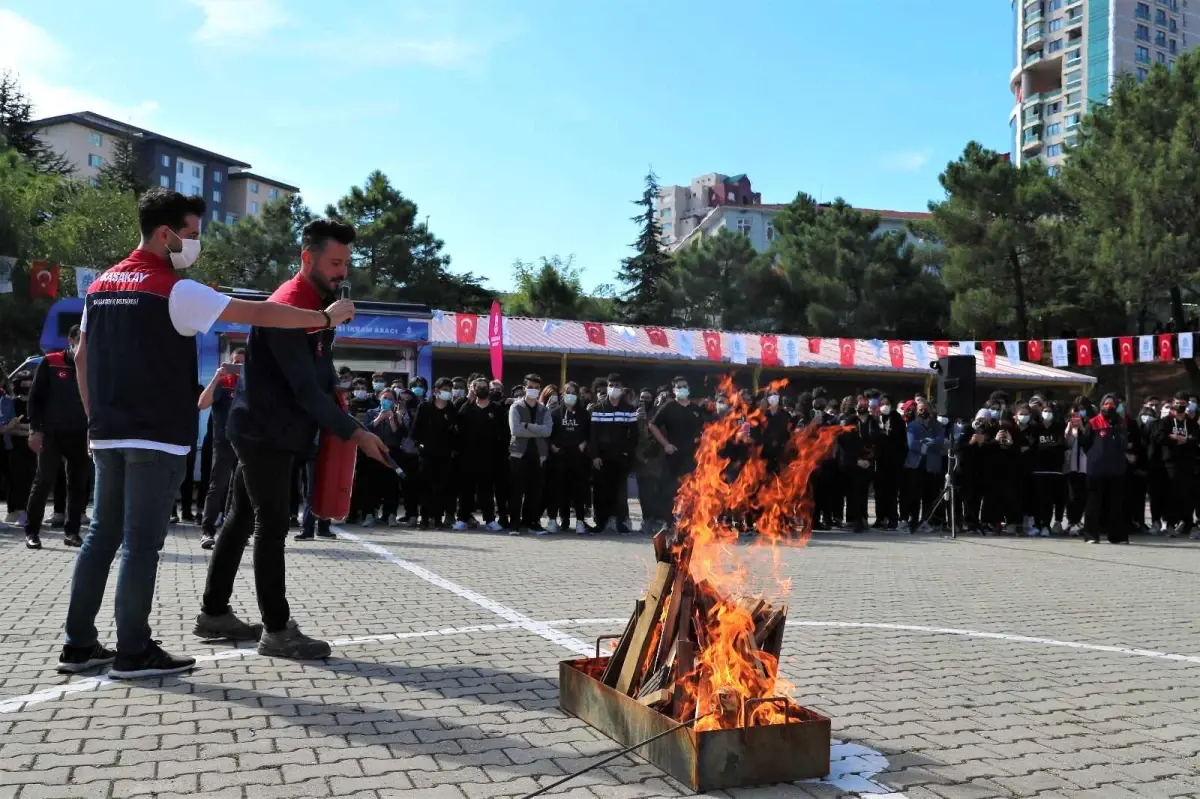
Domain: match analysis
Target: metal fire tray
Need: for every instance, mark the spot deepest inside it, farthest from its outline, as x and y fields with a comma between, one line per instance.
x=704, y=761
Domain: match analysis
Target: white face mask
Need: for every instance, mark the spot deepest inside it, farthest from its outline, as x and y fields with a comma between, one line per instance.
x=1047, y=416
x=361, y=395
x=682, y=393
x=444, y=396
x=532, y=393
x=1165, y=412
x=885, y=410
x=188, y=255
x=1022, y=419
x=614, y=394
x=773, y=400
x=570, y=399
x=943, y=420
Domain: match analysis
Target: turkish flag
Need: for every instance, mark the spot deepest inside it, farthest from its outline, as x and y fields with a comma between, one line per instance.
x=941, y=348
x=989, y=354
x=466, y=325
x=1165, y=351
x=1083, y=351
x=658, y=336
x=769, y=349
x=712, y=344
x=814, y=346
x=896, y=353
x=1126, y=349
x=595, y=333
x=846, y=347
x=43, y=280
x=1033, y=349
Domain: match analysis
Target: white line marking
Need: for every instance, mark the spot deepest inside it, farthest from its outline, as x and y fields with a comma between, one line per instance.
x=538, y=628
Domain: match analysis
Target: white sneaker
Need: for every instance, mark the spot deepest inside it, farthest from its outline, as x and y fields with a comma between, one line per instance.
x=1032, y=531
x=1045, y=531
x=459, y=527
x=1074, y=530
x=393, y=520
x=493, y=527
x=905, y=527
x=580, y=528
x=1056, y=528
x=551, y=527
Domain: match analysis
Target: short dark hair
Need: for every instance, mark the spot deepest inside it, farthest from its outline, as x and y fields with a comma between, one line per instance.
x=532, y=378
x=1182, y=395
x=159, y=207
x=678, y=379
x=458, y=380
x=615, y=378
x=73, y=333
x=571, y=384
x=317, y=233
x=239, y=351
x=418, y=380
x=443, y=382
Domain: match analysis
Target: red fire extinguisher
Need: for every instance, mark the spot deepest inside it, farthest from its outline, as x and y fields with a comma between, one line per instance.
x=335, y=476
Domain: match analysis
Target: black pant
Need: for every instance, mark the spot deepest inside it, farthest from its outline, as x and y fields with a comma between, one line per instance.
x=296, y=489
x=220, y=476
x=1181, y=484
x=56, y=448
x=22, y=464
x=608, y=480
x=308, y=522
x=503, y=477
x=262, y=485
x=525, y=504
x=858, y=485
x=187, y=489
x=1077, y=496
x=887, y=478
x=477, y=489
x=1105, y=509
x=437, y=488
x=410, y=485
x=573, y=475
x=1047, y=488
x=1158, y=487
x=920, y=493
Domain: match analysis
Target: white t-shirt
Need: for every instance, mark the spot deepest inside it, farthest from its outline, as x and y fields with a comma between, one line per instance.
x=194, y=309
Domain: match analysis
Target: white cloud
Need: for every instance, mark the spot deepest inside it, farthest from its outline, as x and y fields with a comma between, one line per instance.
x=441, y=52
x=43, y=67
x=226, y=20
x=905, y=160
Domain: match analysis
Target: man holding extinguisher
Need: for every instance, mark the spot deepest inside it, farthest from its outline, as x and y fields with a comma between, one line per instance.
x=285, y=394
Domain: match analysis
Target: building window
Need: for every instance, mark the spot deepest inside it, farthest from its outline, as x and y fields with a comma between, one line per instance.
x=95, y=160
x=1142, y=11
x=1142, y=34
x=744, y=226
x=216, y=177
x=1053, y=108
x=1054, y=129
x=164, y=181
x=1142, y=55
x=272, y=194
x=1075, y=77
x=1162, y=57
x=253, y=187
x=1160, y=38
x=1054, y=5
x=230, y=218
x=166, y=160
x=1051, y=171
x=254, y=206
x=1073, y=99
x=1141, y=74
x=1053, y=150
x=1054, y=46
x=93, y=180
x=216, y=215
x=667, y=227
x=1160, y=17
x=179, y=186
x=196, y=172
x=96, y=139
x=770, y=232
x=216, y=197
x=179, y=165
x=1055, y=25
x=1173, y=47
x=1171, y=66
x=1174, y=26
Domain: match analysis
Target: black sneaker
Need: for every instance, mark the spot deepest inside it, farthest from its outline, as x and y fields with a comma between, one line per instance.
x=292, y=644
x=151, y=662
x=73, y=540
x=33, y=541
x=325, y=532
x=227, y=627
x=75, y=659
x=174, y=517
x=207, y=540
x=307, y=535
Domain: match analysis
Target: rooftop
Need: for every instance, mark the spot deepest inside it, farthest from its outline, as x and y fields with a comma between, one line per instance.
x=246, y=173
x=113, y=127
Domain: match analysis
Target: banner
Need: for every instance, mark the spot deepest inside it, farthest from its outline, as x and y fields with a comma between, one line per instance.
x=83, y=280
x=496, y=340
x=6, y=271
x=466, y=327
x=1033, y=350
x=1145, y=348
x=1186, y=344
x=685, y=344
x=595, y=333
x=941, y=348
x=846, y=347
x=712, y=344
x=658, y=336
x=791, y=351
x=989, y=354
x=768, y=346
x=1013, y=350
x=1105, y=347
x=1058, y=352
x=921, y=352
x=896, y=353
x=1165, y=351
x=737, y=349
x=966, y=348
x=814, y=346
x=43, y=280
x=1083, y=351
x=876, y=348
x=1126, y=349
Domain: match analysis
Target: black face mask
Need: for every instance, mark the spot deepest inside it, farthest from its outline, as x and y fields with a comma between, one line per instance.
x=483, y=393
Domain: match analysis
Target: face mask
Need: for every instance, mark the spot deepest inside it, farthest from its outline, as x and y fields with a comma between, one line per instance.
x=1022, y=420
x=187, y=255
x=1082, y=413
x=873, y=404
x=722, y=407
x=1180, y=410
x=886, y=410
x=773, y=401
x=344, y=384
x=445, y=396
x=361, y=395
x=943, y=420
x=418, y=391
x=385, y=404
x=532, y=393
x=958, y=428
x=1121, y=409
x=379, y=386
x=863, y=411
x=482, y=393
x=1165, y=413
x=1108, y=410
x=994, y=413
x=682, y=393
x=923, y=414
x=1147, y=418
x=570, y=399
x=1047, y=417
x=459, y=393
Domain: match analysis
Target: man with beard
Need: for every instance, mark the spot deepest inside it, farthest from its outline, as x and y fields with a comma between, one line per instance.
x=286, y=393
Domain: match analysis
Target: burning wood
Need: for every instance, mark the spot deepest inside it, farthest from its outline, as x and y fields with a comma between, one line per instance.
x=702, y=642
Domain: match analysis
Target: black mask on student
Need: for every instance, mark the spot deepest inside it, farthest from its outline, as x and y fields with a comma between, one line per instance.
x=483, y=393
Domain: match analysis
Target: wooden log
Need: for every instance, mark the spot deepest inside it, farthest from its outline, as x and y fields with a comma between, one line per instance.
x=667, y=639
x=684, y=679
x=642, y=635
x=765, y=628
x=773, y=643
x=613, y=668
x=659, y=697
x=661, y=553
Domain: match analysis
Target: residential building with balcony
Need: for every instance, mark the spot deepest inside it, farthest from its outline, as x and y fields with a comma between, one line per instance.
x=1068, y=53
x=681, y=208
x=250, y=191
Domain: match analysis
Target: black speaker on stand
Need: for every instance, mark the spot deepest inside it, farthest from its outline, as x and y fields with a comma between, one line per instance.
x=955, y=386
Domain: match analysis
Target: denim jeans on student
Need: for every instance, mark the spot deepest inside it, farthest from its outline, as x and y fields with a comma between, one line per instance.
x=135, y=492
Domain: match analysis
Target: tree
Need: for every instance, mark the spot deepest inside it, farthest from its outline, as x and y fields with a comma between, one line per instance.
x=18, y=132
x=396, y=258
x=643, y=273
x=553, y=289
x=125, y=172
x=710, y=283
x=998, y=228
x=1134, y=179
x=257, y=252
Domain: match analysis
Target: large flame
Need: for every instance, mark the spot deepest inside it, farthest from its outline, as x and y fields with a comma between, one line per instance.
x=729, y=580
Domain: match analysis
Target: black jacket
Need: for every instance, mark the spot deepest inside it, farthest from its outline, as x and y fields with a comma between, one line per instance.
x=479, y=429
x=572, y=427
x=858, y=443
x=54, y=403
x=613, y=434
x=892, y=443
x=1175, y=454
x=434, y=430
x=286, y=392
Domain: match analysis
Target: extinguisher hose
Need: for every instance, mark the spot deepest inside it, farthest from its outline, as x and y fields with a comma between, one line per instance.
x=391, y=464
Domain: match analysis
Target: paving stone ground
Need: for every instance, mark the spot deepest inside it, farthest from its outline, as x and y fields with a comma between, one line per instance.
x=471, y=711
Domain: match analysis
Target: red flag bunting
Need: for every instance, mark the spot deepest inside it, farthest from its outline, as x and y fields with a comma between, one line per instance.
x=595, y=333
x=846, y=347
x=1033, y=350
x=466, y=325
x=43, y=280
x=941, y=348
x=814, y=346
x=1126, y=343
x=1166, y=351
x=658, y=336
x=712, y=344
x=769, y=348
x=896, y=353
x=989, y=354
x=1083, y=351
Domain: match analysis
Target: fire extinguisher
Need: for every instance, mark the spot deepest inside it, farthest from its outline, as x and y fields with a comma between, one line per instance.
x=336, y=460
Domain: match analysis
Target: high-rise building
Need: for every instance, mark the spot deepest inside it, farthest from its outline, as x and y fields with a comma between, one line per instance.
x=1068, y=53
x=88, y=140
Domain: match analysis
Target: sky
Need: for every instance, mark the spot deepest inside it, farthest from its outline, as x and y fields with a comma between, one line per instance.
x=524, y=128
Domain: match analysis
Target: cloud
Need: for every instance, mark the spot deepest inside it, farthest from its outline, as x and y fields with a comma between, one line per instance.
x=227, y=20
x=905, y=160
x=43, y=66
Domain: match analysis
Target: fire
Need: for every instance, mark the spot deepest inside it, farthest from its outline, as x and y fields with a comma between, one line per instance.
x=731, y=666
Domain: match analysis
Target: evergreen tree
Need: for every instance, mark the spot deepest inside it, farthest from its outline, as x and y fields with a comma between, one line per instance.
x=642, y=274
x=125, y=171
x=711, y=283
x=18, y=132
x=553, y=289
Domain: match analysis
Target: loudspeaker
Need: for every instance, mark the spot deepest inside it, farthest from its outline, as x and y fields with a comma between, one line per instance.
x=956, y=386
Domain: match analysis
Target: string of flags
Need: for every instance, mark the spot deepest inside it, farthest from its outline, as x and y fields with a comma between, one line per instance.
x=786, y=351
x=44, y=278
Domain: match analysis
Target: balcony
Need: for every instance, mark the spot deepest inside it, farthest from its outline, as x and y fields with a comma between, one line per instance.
x=1031, y=58
x=1040, y=97
x=1073, y=3
x=1034, y=36
x=1031, y=141
x=1031, y=119
x=1034, y=14
x=1074, y=21
x=1073, y=59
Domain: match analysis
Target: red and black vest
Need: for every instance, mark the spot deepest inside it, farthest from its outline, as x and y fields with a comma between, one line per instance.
x=141, y=373
x=54, y=403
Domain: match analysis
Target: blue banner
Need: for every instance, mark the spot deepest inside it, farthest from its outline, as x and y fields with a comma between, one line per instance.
x=364, y=327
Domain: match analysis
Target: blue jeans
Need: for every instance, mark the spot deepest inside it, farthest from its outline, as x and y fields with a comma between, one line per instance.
x=135, y=492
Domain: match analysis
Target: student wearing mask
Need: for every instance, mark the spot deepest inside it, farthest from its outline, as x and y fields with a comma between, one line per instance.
x=856, y=459
x=58, y=432
x=1177, y=440
x=530, y=425
x=1024, y=495
x=677, y=426
x=571, y=471
x=1157, y=487
x=389, y=423
x=435, y=430
x=365, y=497
x=478, y=422
x=217, y=398
x=974, y=460
x=922, y=466
x=1076, y=469
x=612, y=444
x=1104, y=438
x=458, y=392
x=889, y=465
x=651, y=469
x=378, y=383
x=775, y=433
x=1046, y=475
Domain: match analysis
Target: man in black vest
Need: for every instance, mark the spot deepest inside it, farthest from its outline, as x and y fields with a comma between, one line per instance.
x=137, y=369
x=285, y=393
x=58, y=428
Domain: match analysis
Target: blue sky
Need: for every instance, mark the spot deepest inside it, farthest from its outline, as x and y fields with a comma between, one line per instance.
x=524, y=127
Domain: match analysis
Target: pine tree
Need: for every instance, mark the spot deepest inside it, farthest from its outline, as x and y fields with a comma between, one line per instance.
x=643, y=301
x=124, y=172
x=18, y=132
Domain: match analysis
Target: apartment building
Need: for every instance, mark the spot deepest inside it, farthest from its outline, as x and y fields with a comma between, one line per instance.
x=88, y=141
x=250, y=191
x=1068, y=53
x=681, y=208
